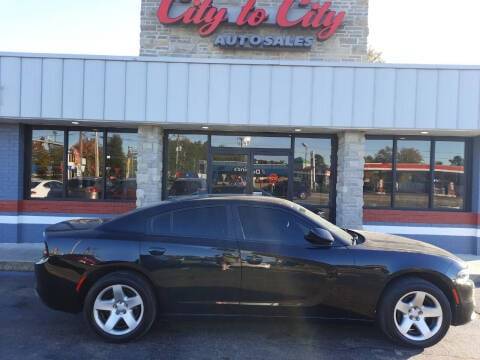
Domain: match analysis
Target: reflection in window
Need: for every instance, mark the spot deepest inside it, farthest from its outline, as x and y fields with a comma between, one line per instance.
x=271, y=225
x=229, y=174
x=121, y=166
x=377, y=184
x=449, y=178
x=187, y=164
x=312, y=172
x=85, y=165
x=47, y=164
x=413, y=174
x=246, y=141
x=270, y=175
x=206, y=222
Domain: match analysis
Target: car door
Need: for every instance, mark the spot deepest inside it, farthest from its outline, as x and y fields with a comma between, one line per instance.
x=193, y=258
x=280, y=268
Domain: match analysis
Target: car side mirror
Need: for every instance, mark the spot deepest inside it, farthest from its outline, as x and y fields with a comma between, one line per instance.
x=319, y=236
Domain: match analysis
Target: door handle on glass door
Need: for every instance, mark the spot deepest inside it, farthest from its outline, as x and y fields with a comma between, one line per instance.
x=157, y=251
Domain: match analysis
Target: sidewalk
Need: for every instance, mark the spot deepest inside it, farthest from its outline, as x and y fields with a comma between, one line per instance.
x=22, y=257
x=19, y=257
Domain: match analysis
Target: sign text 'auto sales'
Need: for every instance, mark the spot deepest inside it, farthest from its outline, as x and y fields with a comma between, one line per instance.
x=305, y=14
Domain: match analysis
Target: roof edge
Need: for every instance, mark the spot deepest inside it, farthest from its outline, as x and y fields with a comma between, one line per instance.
x=229, y=61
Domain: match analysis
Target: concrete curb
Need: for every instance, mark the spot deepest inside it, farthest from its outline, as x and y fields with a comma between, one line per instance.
x=22, y=266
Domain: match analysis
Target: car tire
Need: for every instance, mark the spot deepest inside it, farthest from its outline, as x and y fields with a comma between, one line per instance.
x=120, y=307
x=410, y=321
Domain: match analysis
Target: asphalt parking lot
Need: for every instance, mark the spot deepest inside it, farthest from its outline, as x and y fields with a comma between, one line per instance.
x=29, y=330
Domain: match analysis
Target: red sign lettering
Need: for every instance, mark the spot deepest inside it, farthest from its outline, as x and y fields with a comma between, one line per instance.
x=316, y=16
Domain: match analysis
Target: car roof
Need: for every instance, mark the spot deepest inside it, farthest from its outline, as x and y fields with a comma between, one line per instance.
x=186, y=201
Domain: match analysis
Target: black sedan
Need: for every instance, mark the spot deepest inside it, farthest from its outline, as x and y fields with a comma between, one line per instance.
x=247, y=255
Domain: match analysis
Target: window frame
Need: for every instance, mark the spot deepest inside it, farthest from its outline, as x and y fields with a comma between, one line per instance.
x=27, y=173
x=432, y=140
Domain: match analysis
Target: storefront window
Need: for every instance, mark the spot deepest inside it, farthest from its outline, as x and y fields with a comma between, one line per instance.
x=412, y=169
x=413, y=174
x=246, y=141
x=121, y=166
x=377, y=184
x=449, y=176
x=85, y=165
x=250, y=164
x=312, y=172
x=47, y=164
x=89, y=169
x=187, y=164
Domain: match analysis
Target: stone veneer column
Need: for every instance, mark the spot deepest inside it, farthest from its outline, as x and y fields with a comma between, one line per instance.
x=475, y=193
x=350, y=166
x=150, y=164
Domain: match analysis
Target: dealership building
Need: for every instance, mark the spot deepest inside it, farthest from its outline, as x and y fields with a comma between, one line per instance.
x=270, y=98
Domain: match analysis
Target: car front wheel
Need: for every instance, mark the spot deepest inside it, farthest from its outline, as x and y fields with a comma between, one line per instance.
x=120, y=307
x=415, y=313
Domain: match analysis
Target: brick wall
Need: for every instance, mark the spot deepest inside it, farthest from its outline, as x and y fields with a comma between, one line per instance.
x=348, y=44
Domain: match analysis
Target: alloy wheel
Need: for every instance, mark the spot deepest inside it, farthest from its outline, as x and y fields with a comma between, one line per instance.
x=118, y=309
x=418, y=316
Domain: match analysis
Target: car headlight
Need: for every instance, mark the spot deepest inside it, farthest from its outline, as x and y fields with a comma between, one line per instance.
x=463, y=276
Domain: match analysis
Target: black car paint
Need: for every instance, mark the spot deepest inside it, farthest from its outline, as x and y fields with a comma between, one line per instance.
x=232, y=276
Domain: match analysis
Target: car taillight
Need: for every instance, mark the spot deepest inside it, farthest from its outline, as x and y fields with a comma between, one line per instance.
x=93, y=190
x=45, y=251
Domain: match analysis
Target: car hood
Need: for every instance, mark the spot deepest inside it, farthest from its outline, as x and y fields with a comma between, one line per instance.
x=387, y=242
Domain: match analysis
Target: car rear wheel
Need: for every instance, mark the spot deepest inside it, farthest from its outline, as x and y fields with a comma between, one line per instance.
x=414, y=312
x=120, y=307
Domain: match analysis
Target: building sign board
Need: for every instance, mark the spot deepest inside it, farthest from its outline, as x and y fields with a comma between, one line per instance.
x=304, y=14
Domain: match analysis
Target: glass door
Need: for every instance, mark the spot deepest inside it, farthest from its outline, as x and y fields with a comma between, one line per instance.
x=230, y=173
x=270, y=175
x=246, y=171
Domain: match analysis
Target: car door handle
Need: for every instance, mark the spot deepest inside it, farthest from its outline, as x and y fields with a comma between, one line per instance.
x=157, y=251
x=254, y=260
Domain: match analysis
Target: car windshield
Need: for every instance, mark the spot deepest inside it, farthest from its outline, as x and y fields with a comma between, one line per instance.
x=337, y=232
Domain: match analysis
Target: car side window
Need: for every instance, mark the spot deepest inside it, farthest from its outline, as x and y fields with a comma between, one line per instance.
x=204, y=222
x=161, y=224
x=272, y=225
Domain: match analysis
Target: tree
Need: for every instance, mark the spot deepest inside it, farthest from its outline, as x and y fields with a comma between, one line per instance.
x=410, y=155
x=374, y=56
x=118, y=159
x=457, y=161
x=382, y=156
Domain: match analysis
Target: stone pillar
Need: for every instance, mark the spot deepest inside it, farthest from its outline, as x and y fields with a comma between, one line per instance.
x=351, y=150
x=475, y=194
x=150, y=165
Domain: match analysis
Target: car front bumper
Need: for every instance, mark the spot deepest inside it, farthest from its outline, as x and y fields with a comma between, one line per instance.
x=464, y=311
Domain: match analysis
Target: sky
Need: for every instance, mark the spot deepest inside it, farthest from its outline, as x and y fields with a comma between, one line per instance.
x=405, y=31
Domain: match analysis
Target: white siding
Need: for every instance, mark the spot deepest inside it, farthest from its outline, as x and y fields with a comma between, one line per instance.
x=31, y=94
x=234, y=92
x=52, y=88
x=94, y=94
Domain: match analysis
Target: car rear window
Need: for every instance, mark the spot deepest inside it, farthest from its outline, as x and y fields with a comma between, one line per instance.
x=205, y=222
